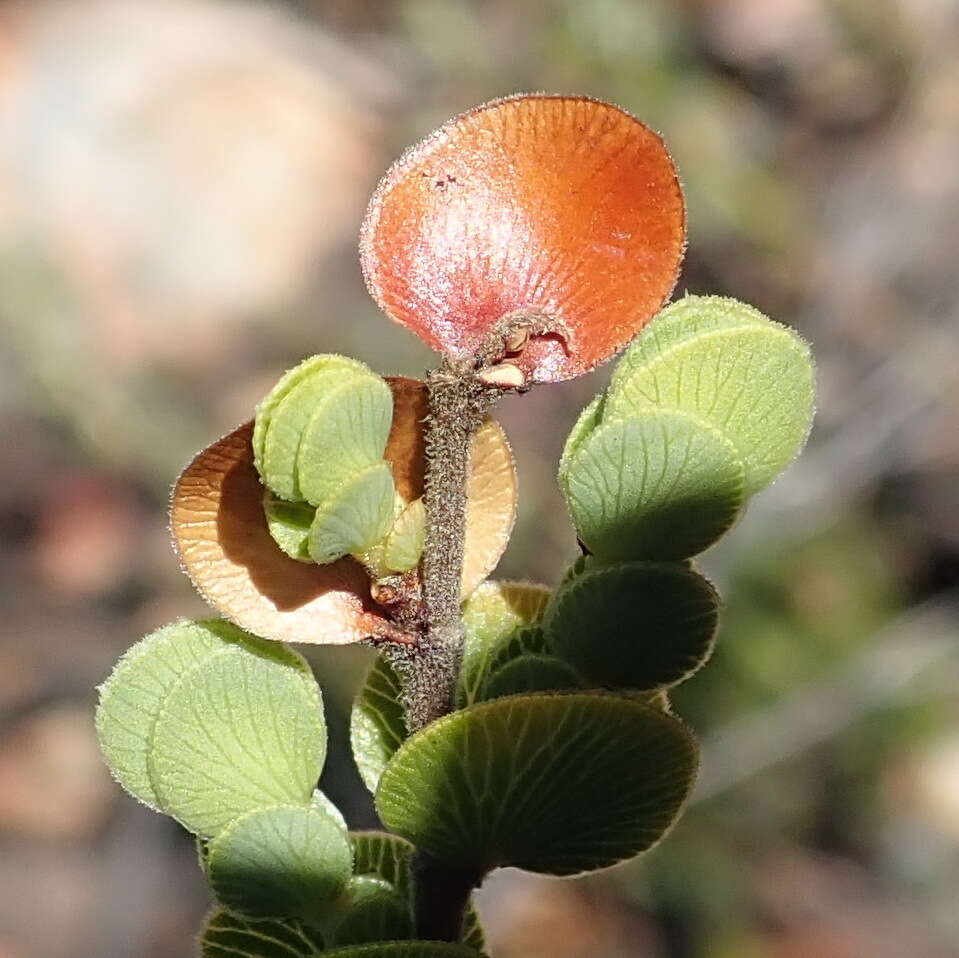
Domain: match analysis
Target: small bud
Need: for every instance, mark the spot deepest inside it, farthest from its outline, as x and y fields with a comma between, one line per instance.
x=515, y=341
x=504, y=375
x=383, y=593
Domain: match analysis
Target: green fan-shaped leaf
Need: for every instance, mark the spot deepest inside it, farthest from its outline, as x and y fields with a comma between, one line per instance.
x=375, y=912
x=383, y=856
x=491, y=616
x=660, y=486
x=753, y=382
x=377, y=724
x=239, y=731
x=473, y=934
x=685, y=319
x=404, y=544
x=289, y=524
x=233, y=936
x=552, y=783
x=589, y=419
x=309, y=380
x=132, y=696
x=358, y=516
x=530, y=673
x=287, y=861
x=346, y=434
x=404, y=949
x=531, y=641
x=639, y=625
x=324, y=804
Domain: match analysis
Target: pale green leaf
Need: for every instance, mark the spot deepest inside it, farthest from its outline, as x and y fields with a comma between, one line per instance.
x=404, y=544
x=131, y=697
x=287, y=861
x=324, y=804
x=685, y=319
x=659, y=486
x=752, y=381
x=234, y=936
x=375, y=912
x=346, y=434
x=589, y=419
x=552, y=783
x=639, y=625
x=289, y=524
x=529, y=673
x=239, y=731
x=377, y=724
x=359, y=515
x=491, y=616
x=291, y=379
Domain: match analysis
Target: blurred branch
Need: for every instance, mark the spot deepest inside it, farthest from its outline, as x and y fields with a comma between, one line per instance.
x=884, y=673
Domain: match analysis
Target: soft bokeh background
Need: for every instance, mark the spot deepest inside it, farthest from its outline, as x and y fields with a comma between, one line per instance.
x=181, y=185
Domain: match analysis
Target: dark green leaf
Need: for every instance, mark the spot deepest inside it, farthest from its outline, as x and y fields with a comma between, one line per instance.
x=287, y=861
x=639, y=625
x=376, y=912
x=530, y=673
x=660, y=486
x=551, y=783
x=232, y=936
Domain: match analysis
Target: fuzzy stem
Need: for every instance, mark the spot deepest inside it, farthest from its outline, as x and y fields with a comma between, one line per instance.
x=457, y=405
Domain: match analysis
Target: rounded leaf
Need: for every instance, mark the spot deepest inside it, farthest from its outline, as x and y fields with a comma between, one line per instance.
x=289, y=524
x=383, y=856
x=290, y=417
x=563, y=205
x=493, y=615
x=288, y=382
x=346, y=433
x=287, y=861
x=377, y=723
x=239, y=731
x=357, y=517
x=376, y=912
x=636, y=626
x=750, y=378
x=227, y=935
x=530, y=673
x=551, y=783
x=404, y=544
x=131, y=698
x=660, y=486
x=221, y=534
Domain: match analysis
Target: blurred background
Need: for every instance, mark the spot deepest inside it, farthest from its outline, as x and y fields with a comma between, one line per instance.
x=181, y=186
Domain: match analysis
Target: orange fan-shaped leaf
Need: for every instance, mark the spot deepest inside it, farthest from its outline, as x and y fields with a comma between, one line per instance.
x=564, y=205
x=220, y=532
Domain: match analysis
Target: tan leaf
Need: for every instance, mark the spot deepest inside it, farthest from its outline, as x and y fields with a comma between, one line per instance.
x=220, y=532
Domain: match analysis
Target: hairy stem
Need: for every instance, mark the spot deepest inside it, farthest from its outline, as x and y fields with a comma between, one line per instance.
x=457, y=405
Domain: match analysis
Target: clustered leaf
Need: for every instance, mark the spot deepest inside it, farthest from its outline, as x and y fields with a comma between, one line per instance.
x=704, y=409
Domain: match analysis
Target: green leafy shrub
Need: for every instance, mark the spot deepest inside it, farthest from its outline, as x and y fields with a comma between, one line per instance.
x=502, y=724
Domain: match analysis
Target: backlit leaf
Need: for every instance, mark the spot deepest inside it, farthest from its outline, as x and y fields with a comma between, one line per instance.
x=529, y=673
x=560, y=204
x=234, y=936
x=404, y=544
x=377, y=724
x=289, y=524
x=375, y=912
x=660, y=486
x=358, y=516
x=638, y=625
x=552, y=783
x=750, y=378
x=492, y=615
x=132, y=696
x=239, y=731
x=346, y=434
x=403, y=949
x=282, y=861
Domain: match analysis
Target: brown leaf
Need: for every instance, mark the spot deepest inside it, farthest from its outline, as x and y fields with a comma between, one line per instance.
x=220, y=533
